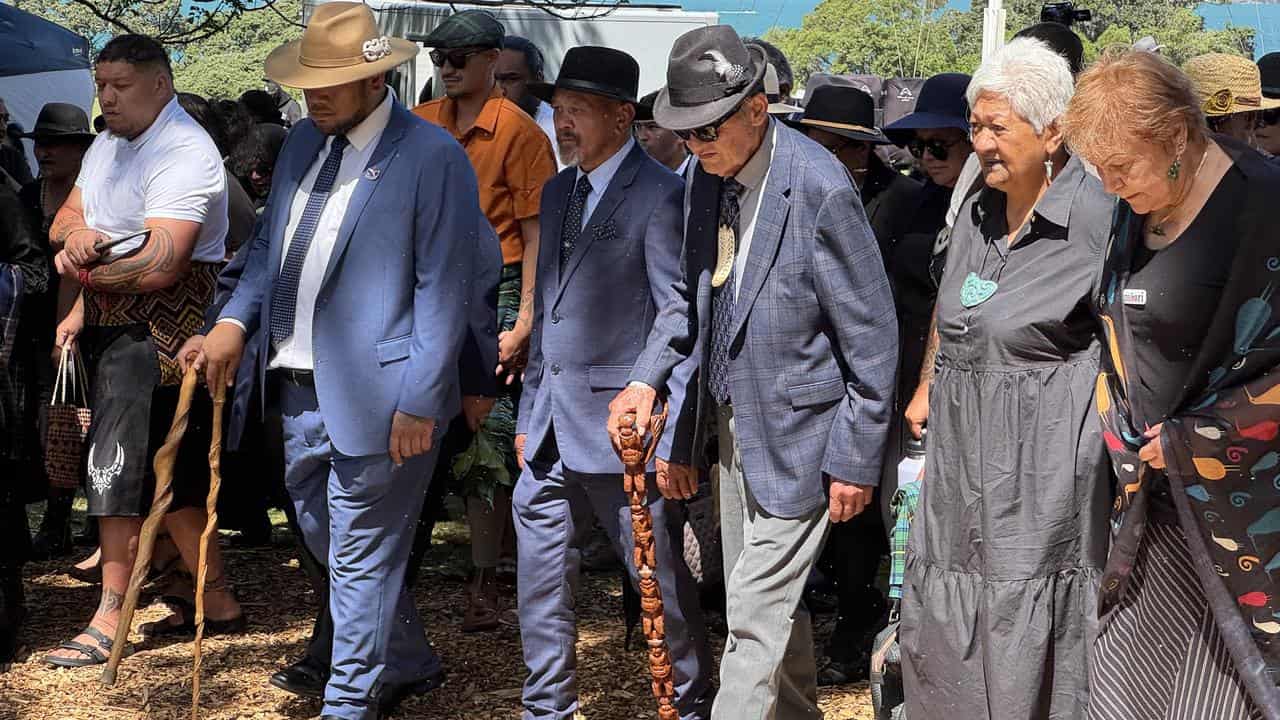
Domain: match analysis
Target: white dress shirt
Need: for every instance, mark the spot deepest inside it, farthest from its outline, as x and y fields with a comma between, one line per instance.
x=684, y=166
x=295, y=351
x=753, y=176
x=601, y=177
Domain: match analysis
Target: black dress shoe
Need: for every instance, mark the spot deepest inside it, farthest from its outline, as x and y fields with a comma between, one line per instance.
x=394, y=694
x=305, y=678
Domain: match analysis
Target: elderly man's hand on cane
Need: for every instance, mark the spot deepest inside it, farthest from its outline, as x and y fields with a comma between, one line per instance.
x=636, y=399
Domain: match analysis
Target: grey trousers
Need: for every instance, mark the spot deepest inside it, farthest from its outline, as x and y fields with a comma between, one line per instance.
x=768, y=670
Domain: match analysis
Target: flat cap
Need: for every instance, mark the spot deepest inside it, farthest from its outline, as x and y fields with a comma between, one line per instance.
x=469, y=28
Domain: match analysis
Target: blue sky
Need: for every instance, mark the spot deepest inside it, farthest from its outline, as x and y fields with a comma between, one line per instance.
x=755, y=17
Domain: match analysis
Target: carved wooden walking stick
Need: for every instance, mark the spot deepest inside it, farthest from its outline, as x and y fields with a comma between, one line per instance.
x=210, y=530
x=635, y=456
x=166, y=456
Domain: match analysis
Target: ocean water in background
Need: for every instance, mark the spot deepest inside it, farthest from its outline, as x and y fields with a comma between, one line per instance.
x=755, y=17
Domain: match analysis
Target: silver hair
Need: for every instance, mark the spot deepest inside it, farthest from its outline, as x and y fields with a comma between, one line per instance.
x=1035, y=80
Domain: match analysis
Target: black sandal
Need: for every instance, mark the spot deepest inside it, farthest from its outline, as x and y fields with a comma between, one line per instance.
x=163, y=628
x=92, y=655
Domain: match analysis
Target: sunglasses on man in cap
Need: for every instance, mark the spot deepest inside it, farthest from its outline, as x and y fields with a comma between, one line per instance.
x=711, y=132
x=936, y=148
x=457, y=57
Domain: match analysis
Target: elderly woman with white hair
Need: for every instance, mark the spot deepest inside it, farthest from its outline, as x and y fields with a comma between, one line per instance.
x=1009, y=541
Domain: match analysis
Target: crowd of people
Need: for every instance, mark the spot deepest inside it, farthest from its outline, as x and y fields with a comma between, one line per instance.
x=1069, y=294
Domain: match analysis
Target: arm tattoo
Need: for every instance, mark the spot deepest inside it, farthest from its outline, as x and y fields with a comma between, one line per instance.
x=111, y=601
x=127, y=274
x=526, y=305
x=930, y=352
x=60, y=231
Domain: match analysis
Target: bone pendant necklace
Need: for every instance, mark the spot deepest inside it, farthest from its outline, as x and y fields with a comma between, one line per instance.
x=725, y=242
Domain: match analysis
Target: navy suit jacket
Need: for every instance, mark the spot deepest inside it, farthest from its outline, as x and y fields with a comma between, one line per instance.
x=815, y=340
x=391, y=316
x=591, y=321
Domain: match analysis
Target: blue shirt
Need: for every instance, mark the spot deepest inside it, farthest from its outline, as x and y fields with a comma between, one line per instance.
x=601, y=177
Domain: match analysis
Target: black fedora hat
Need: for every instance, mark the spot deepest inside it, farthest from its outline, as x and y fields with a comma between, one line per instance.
x=710, y=72
x=60, y=121
x=941, y=104
x=596, y=70
x=843, y=110
x=644, y=108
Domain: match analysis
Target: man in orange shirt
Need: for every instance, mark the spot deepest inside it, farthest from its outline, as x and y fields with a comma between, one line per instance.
x=512, y=158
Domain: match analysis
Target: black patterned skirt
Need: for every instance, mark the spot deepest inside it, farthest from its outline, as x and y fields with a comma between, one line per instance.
x=1159, y=655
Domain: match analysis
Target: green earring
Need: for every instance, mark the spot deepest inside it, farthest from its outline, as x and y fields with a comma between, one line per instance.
x=1175, y=170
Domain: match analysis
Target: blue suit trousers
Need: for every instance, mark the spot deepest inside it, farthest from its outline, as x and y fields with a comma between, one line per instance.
x=359, y=515
x=553, y=509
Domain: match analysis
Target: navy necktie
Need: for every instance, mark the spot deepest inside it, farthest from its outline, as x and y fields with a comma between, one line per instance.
x=573, y=220
x=722, y=299
x=284, y=295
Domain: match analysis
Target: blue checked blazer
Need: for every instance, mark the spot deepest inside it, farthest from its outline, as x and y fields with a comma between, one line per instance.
x=392, y=315
x=815, y=344
x=591, y=321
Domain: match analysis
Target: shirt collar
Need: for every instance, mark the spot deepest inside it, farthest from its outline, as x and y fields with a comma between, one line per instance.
x=684, y=164
x=487, y=120
x=167, y=113
x=752, y=174
x=1054, y=206
x=372, y=126
x=603, y=175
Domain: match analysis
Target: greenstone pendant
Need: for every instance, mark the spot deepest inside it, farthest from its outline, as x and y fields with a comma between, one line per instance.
x=976, y=291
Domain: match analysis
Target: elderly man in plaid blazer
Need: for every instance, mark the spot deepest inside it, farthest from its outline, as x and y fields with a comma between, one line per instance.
x=786, y=303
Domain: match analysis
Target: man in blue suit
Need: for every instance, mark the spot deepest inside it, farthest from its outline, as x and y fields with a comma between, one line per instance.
x=351, y=314
x=612, y=224
x=785, y=305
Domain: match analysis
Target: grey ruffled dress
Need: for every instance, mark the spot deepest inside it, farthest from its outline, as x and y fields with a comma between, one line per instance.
x=1009, y=542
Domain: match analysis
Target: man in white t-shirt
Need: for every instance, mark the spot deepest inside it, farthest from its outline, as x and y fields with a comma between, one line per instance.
x=129, y=303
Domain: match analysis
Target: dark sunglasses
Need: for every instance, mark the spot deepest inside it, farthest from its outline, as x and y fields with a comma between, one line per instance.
x=457, y=58
x=1271, y=117
x=936, y=148
x=708, y=133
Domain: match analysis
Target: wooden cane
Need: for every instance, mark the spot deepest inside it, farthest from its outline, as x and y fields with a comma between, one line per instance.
x=635, y=456
x=166, y=457
x=210, y=531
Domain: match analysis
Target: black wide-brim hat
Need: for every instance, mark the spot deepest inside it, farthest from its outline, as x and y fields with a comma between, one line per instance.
x=596, y=70
x=709, y=73
x=842, y=110
x=60, y=122
x=941, y=104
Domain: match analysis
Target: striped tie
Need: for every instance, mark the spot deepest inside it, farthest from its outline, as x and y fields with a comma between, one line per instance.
x=284, y=296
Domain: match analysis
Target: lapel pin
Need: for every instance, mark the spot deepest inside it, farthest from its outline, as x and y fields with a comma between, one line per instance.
x=372, y=173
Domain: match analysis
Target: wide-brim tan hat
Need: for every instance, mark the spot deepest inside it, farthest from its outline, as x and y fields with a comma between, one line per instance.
x=342, y=44
x=1227, y=84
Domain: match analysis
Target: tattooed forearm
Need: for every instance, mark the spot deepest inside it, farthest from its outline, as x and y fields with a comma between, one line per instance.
x=62, y=227
x=112, y=601
x=930, y=352
x=153, y=267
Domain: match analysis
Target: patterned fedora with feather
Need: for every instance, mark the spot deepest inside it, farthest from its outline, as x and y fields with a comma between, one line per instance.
x=710, y=72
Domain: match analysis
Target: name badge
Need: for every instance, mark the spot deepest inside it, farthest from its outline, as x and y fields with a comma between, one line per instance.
x=1135, y=297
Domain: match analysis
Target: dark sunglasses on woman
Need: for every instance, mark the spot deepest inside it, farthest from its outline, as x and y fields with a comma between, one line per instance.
x=936, y=148
x=457, y=58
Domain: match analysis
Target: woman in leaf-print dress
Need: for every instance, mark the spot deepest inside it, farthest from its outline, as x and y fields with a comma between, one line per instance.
x=1189, y=398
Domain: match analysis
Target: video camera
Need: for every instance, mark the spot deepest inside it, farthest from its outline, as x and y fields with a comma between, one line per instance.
x=1064, y=13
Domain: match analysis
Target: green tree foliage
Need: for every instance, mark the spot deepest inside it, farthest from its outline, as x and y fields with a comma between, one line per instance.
x=919, y=38
x=230, y=62
x=221, y=60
